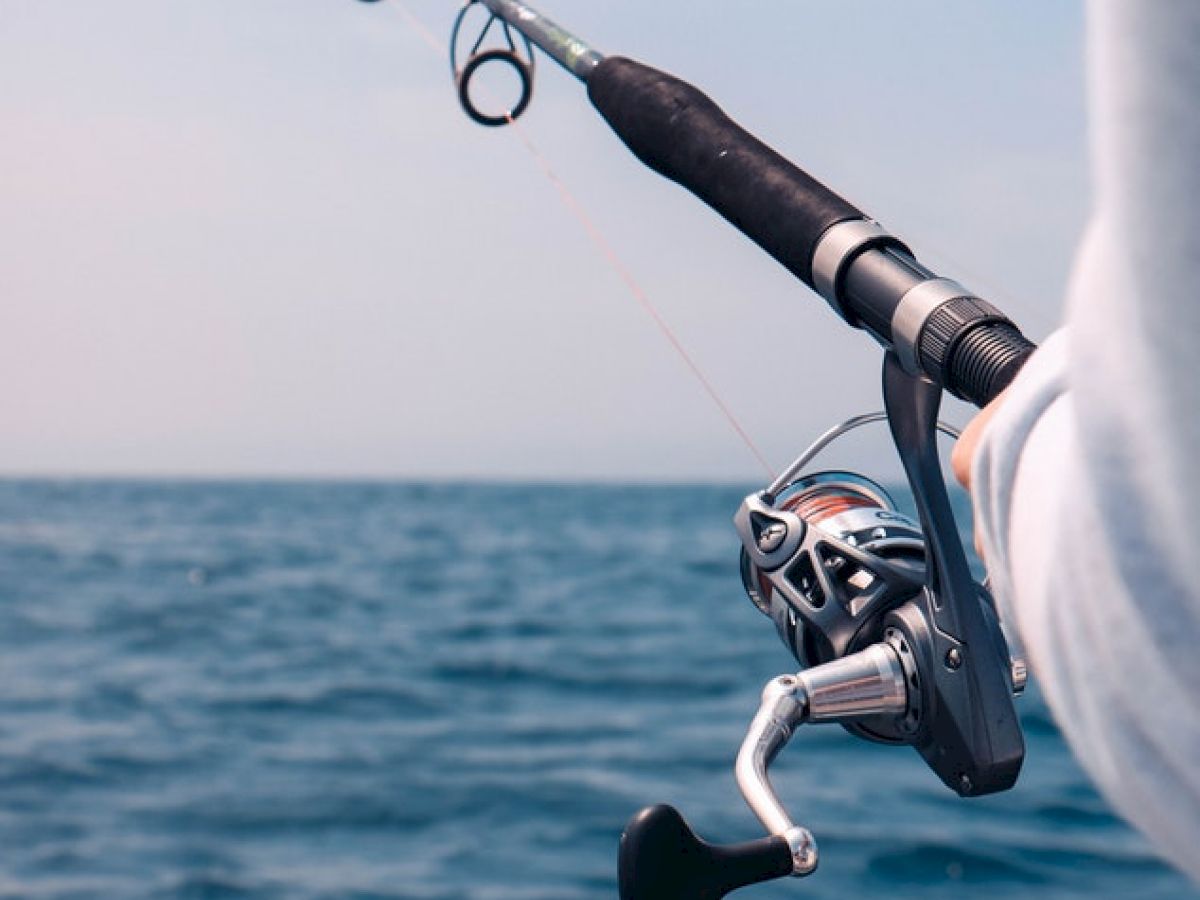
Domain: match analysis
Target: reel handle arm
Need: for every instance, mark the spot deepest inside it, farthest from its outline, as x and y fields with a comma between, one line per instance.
x=784, y=707
x=858, y=686
x=661, y=857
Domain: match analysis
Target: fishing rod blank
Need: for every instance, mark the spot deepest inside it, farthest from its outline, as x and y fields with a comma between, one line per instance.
x=559, y=44
x=937, y=328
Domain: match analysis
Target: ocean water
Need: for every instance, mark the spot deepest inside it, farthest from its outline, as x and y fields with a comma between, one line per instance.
x=445, y=691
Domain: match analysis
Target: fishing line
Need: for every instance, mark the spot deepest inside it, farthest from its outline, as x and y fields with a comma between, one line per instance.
x=605, y=247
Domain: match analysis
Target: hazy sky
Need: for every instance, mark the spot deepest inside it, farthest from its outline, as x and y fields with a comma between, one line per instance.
x=261, y=238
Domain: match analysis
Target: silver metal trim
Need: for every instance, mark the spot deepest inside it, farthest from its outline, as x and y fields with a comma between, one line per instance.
x=864, y=518
x=793, y=471
x=911, y=313
x=835, y=248
x=559, y=44
x=867, y=683
x=1020, y=675
x=804, y=850
x=782, y=709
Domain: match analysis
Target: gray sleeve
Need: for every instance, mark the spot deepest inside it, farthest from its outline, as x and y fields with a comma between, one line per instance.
x=1086, y=476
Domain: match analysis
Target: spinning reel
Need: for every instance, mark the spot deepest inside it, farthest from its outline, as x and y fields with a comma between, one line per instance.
x=516, y=56
x=897, y=642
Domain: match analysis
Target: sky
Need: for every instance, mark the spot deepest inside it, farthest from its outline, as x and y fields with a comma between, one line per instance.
x=261, y=239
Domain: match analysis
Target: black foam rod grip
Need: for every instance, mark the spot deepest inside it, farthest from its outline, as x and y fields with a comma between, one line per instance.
x=662, y=859
x=679, y=132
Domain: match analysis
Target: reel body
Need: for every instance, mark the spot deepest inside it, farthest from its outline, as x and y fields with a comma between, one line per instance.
x=838, y=568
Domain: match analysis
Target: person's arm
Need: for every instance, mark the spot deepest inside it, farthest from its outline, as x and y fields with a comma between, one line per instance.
x=1085, y=477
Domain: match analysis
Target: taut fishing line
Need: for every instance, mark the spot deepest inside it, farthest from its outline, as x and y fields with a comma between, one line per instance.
x=509, y=55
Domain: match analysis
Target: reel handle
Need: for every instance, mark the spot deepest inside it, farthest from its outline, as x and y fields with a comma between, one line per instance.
x=661, y=858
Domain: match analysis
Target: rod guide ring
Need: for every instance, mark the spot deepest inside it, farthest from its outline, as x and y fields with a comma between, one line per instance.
x=498, y=54
x=509, y=52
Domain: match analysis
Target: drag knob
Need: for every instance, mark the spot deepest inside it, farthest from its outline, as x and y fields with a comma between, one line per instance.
x=662, y=859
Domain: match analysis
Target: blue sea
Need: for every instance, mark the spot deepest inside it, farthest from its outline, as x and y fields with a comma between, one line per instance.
x=446, y=691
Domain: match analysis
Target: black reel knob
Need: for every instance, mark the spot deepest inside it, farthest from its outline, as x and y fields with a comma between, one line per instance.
x=661, y=858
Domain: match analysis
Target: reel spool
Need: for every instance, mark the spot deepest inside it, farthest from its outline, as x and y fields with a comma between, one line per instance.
x=518, y=57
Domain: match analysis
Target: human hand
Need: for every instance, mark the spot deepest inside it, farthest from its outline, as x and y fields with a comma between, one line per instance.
x=963, y=454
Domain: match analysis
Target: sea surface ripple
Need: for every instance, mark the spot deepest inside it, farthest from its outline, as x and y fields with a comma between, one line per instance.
x=441, y=691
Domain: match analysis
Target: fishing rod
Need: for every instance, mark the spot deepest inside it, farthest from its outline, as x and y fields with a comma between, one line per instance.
x=897, y=641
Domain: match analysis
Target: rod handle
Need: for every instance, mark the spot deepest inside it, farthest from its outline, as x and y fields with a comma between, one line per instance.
x=679, y=132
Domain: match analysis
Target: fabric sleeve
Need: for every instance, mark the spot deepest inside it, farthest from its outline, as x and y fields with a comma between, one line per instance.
x=1086, y=480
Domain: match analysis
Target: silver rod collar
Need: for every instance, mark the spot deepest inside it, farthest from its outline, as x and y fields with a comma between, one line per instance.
x=834, y=251
x=911, y=314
